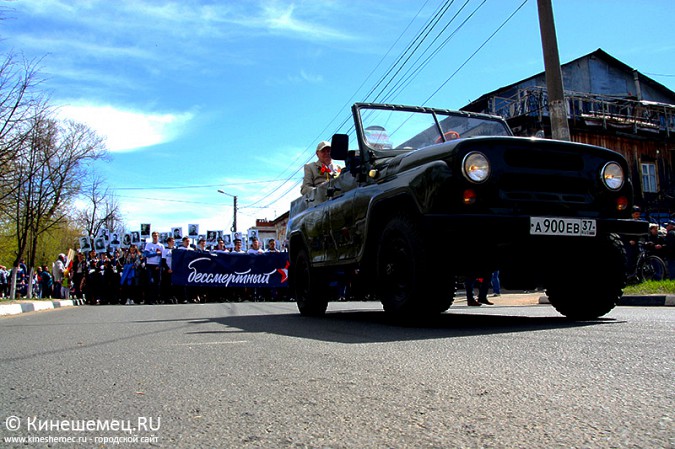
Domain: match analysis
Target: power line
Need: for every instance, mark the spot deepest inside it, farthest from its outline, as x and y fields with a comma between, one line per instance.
x=659, y=74
x=475, y=52
x=344, y=121
x=348, y=102
x=198, y=186
x=408, y=76
x=168, y=200
x=437, y=16
x=417, y=41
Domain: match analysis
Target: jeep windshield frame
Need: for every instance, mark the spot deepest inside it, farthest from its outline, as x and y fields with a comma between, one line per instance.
x=386, y=130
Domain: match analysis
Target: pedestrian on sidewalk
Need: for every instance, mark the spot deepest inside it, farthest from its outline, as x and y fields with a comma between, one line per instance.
x=57, y=274
x=46, y=283
x=483, y=289
x=496, y=284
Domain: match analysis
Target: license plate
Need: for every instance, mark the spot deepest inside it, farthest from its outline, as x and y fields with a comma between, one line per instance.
x=579, y=227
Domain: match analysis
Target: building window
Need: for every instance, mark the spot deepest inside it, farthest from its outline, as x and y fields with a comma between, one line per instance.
x=649, y=178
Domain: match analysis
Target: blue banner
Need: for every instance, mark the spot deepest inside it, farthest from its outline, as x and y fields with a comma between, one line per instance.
x=199, y=269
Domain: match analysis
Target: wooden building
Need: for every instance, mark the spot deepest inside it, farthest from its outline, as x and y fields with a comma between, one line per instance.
x=609, y=104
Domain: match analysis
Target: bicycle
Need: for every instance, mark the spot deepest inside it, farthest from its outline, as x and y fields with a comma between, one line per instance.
x=648, y=267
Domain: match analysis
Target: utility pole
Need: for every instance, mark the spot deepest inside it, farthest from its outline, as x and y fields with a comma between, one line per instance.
x=234, y=221
x=556, y=98
x=234, y=218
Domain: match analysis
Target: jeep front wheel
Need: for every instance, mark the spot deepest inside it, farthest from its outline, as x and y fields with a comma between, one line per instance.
x=579, y=296
x=407, y=280
x=306, y=287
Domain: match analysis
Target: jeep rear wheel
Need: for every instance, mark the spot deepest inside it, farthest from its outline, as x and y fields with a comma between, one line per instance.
x=307, y=287
x=407, y=280
x=579, y=296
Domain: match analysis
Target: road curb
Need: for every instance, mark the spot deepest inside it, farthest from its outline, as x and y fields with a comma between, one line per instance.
x=34, y=306
x=648, y=300
x=636, y=300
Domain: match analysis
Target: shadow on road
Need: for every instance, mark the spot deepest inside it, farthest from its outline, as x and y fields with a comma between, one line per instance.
x=377, y=326
x=341, y=326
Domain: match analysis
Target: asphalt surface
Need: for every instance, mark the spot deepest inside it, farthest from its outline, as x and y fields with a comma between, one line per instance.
x=258, y=375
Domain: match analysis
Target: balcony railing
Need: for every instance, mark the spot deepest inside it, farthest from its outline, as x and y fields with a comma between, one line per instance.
x=593, y=110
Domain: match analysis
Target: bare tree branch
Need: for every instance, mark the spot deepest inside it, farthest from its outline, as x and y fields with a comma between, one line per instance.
x=53, y=163
x=102, y=209
x=20, y=103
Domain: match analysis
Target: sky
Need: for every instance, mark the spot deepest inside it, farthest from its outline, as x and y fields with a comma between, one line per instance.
x=196, y=96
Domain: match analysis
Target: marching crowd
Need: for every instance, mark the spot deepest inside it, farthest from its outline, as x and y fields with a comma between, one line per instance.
x=143, y=274
x=129, y=276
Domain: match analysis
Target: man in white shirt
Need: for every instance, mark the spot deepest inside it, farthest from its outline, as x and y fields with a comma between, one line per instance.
x=167, y=271
x=255, y=246
x=272, y=246
x=221, y=247
x=237, y=246
x=185, y=292
x=201, y=246
x=153, y=262
x=185, y=244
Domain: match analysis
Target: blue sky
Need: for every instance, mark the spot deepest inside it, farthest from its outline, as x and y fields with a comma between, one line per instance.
x=195, y=96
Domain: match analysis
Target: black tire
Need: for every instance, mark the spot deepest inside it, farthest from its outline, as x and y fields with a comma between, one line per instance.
x=408, y=280
x=652, y=268
x=307, y=286
x=581, y=297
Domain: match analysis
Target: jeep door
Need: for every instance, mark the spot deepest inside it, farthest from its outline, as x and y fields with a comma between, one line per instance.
x=342, y=246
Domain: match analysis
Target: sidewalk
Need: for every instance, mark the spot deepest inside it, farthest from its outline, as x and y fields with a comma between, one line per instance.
x=506, y=299
x=533, y=298
x=22, y=306
x=510, y=298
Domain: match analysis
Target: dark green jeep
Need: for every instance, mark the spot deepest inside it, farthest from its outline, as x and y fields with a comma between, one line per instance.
x=431, y=195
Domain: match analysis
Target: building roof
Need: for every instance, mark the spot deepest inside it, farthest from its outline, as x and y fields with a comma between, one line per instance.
x=597, y=54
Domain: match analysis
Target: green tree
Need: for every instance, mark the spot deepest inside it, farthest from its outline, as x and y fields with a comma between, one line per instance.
x=53, y=161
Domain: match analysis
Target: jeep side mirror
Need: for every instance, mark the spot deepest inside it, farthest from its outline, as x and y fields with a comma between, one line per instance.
x=353, y=163
x=339, y=147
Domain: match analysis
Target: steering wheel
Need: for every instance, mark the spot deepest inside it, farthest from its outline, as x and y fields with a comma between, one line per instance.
x=449, y=135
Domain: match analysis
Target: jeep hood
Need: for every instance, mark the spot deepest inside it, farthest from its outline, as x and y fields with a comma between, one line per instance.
x=449, y=151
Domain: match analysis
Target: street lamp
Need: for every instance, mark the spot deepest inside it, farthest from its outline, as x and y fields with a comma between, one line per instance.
x=234, y=220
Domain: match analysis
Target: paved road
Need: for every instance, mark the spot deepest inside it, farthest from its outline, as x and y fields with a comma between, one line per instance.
x=259, y=375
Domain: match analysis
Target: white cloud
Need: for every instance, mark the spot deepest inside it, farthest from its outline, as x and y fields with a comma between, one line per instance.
x=278, y=17
x=127, y=130
x=302, y=77
x=311, y=78
x=193, y=18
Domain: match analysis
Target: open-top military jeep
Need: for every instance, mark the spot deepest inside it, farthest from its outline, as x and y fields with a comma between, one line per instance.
x=431, y=195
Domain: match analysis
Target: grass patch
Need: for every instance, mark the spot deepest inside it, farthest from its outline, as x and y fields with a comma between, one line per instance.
x=651, y=288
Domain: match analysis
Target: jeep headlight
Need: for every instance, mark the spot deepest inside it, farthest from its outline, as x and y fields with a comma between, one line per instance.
x=612, y=175
x=476, y=167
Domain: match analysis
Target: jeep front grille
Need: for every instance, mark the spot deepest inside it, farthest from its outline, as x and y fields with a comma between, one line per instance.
x=544, y=188
x=545, y=177
x=543, y=160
